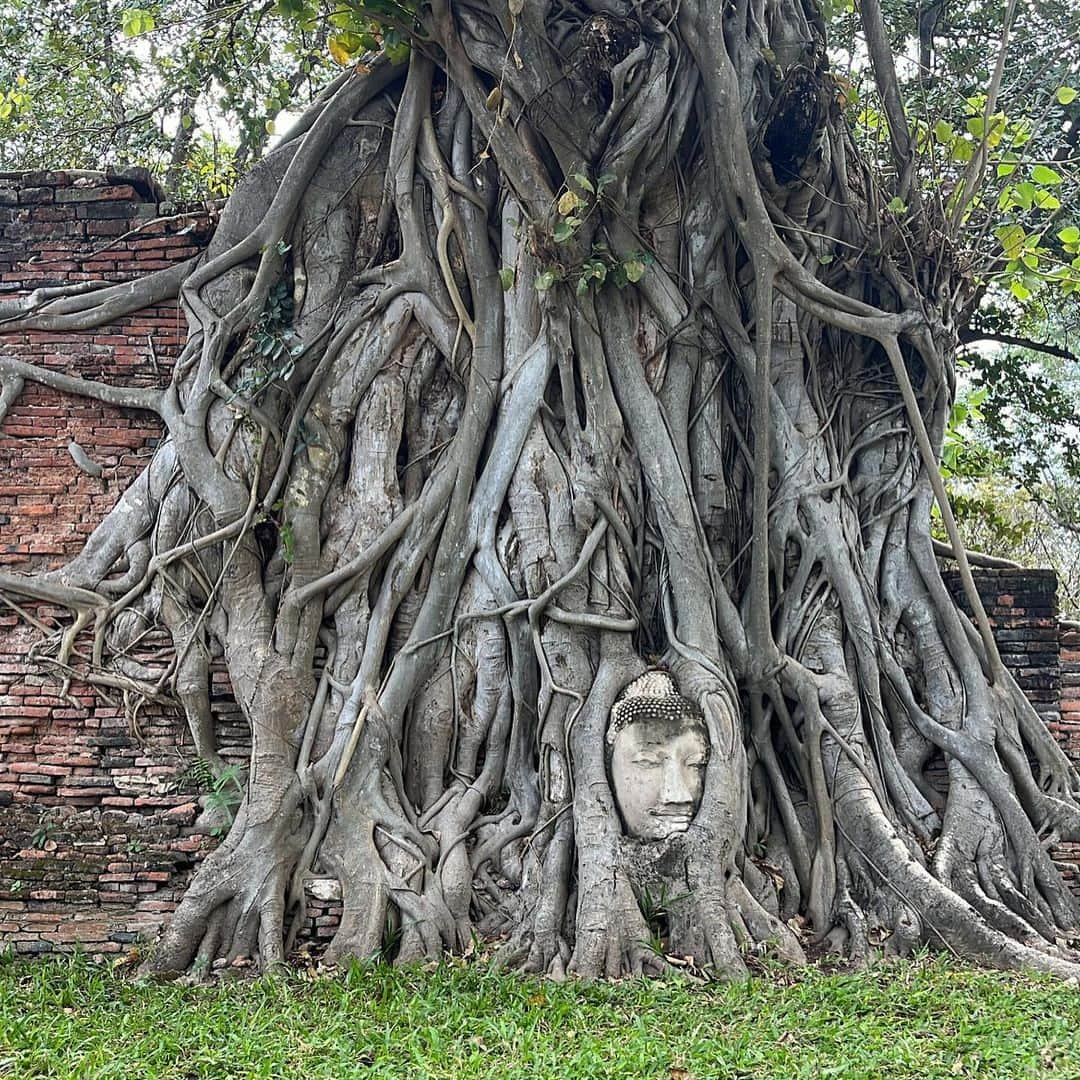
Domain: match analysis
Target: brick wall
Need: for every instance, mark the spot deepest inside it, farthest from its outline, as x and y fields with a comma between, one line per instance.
x=98, y=808
x=1067, y=725
x=1023, y=611
x=57, y=228
x=1043, y=657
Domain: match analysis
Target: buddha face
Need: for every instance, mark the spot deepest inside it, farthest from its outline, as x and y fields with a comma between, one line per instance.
x=658, y=772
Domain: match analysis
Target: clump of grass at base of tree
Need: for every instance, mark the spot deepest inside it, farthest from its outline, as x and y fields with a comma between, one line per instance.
x=924, y=1018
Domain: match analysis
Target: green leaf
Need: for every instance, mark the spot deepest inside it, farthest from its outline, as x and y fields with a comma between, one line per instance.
x=136, y=21
x=1069, y=235
x=397, y=49
x=1012, y=239
x=963, y=150
x=583, y=182
x=506, y=277
x=544, y=280
x=563, y=230
x=288, y=542
x=943, y=132
x=604, y=179
x=1020, y=290
x=1043, y=174
x=1024, y=195
x=291, y=8
x=343, y=47
x=594, y=270
x=635, y=269
x=949, y=454
x=897, y=205
x=1066, y=95
x=1021, y=133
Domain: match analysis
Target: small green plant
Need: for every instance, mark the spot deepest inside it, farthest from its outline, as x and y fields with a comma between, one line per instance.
x=391, y=938
x=288, y=542
x=196, y=775
x=274, y=341
x=223, y=797
x=222, y=794
x=42, y=834
x=579, y=200
x=275, y=516
x=656, y=910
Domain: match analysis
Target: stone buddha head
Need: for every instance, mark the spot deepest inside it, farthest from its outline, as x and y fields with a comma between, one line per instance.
x=658, y=747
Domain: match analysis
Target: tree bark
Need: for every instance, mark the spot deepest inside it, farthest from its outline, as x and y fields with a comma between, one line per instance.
x=558, y=354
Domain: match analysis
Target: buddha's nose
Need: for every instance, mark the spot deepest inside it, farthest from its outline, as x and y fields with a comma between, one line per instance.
x=675, y=790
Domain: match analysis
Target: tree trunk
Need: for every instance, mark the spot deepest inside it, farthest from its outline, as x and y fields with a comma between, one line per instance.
x=571, y=352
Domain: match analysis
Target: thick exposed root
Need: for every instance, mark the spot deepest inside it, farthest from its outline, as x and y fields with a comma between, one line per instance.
x=235, y=907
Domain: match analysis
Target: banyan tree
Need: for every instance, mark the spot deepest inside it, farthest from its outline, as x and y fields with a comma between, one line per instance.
x=550, y=465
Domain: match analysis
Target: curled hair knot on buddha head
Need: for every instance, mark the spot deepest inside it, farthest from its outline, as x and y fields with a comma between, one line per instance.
x=652, y=696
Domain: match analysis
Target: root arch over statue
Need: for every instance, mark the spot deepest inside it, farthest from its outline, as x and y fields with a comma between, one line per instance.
x=573, y=350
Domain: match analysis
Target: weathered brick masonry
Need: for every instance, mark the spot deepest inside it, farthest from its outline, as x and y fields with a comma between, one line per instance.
x=1067, y=725
x=1022, y=605
x=1043, y=656
x=97, y=810
x=96, y=814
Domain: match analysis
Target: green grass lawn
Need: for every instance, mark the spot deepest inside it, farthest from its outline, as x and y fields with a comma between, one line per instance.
x=925, y=1019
